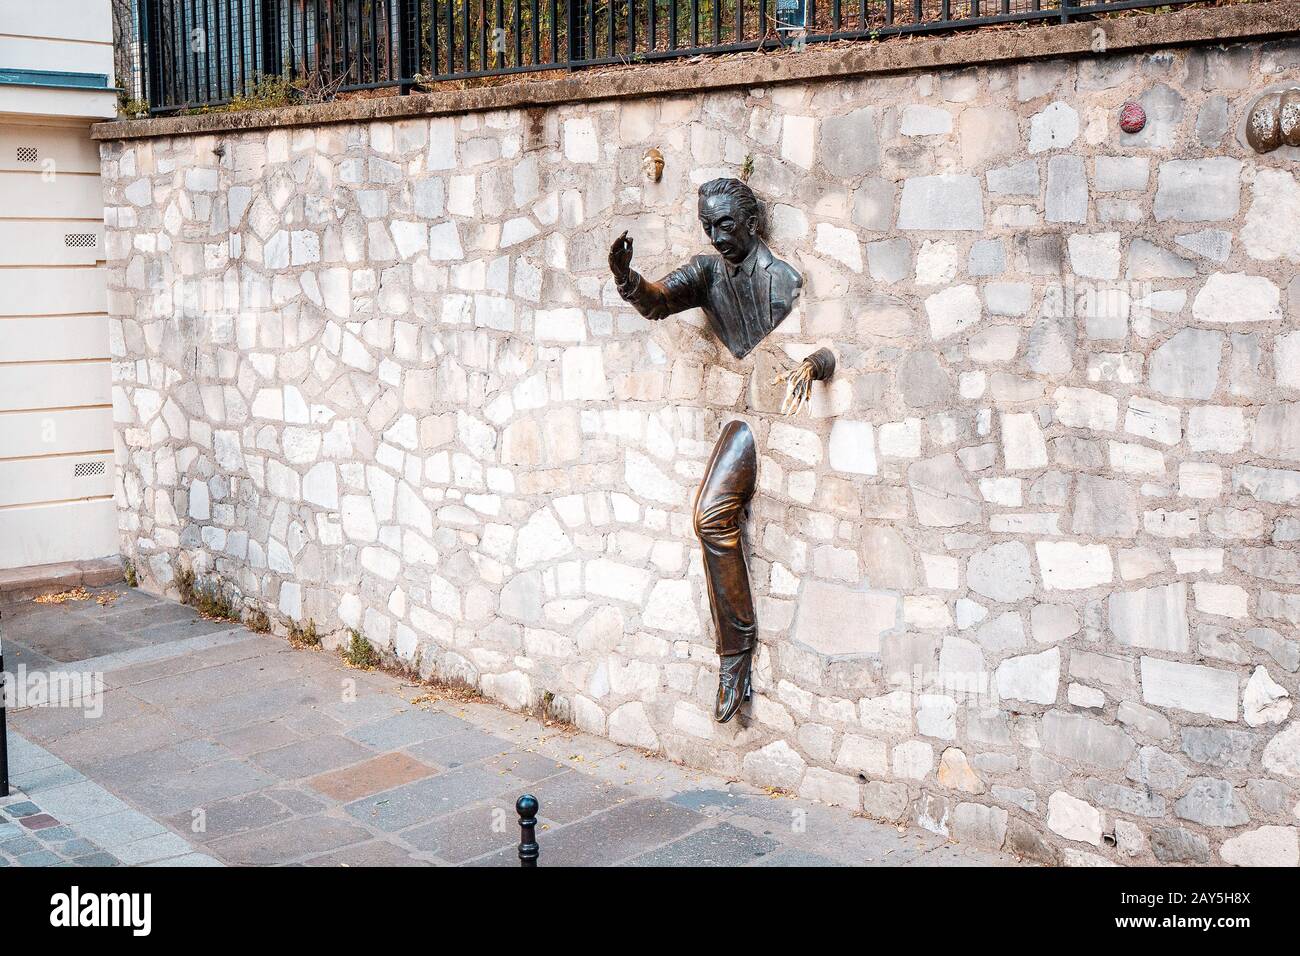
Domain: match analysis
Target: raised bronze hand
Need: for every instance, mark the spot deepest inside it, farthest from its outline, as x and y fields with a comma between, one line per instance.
x=798, y=387
x=620, y=257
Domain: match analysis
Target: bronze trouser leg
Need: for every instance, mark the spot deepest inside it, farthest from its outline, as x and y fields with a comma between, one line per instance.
x=728, y=485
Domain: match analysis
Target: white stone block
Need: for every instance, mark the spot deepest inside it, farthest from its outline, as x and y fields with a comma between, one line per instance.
x=851, y=447
x=1190, y=687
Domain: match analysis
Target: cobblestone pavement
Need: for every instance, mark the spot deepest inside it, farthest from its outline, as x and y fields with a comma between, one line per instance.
x=220, y=746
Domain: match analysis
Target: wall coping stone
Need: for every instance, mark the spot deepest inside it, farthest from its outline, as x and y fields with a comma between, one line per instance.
x=1251, y=21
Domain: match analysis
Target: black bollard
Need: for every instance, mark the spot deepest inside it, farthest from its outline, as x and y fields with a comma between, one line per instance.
x=526, y=806
x=4, y=733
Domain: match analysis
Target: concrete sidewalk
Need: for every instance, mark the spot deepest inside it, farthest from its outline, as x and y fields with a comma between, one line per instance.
x=220, y=746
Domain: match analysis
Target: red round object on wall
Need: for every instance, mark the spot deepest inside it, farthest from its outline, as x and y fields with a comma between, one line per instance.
x=1132, y=118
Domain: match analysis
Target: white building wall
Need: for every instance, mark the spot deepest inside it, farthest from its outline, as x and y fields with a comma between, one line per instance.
x=56, y=461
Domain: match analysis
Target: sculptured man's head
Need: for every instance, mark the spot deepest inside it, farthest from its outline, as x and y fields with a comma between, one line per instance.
x=731, y=217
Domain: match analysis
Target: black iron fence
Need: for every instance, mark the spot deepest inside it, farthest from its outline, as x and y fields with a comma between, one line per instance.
x=209, y=53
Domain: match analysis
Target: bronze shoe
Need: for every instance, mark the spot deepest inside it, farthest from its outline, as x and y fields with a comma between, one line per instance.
x=734, y=685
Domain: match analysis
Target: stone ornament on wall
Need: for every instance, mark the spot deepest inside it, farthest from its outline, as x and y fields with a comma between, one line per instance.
x=745, y=293
x=1274, y=121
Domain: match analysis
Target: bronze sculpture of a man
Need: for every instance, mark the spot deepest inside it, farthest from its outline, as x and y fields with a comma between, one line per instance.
x=745, y=293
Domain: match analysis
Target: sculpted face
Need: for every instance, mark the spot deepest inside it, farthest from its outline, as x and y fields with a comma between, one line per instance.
x=731, y=235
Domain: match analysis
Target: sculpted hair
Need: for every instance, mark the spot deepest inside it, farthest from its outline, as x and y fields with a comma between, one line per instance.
x=746, y=202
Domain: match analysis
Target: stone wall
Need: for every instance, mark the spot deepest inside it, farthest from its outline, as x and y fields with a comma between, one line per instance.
x=1027, y=575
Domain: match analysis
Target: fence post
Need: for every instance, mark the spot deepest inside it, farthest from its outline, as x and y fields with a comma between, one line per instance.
x=576, y=31
x=269, y=28
x=148, y=54
x=526, y=806
x=407, y=38
x=1065, y=10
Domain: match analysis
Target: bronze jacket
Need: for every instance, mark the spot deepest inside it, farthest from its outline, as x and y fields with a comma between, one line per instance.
x=742, y=303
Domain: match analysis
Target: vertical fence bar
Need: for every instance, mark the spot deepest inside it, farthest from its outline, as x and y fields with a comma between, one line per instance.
x=450, y=41
x=291, y=62
x=537, y=32
x=555, y=31
x=717, y=21
x=695, y=23
x=408, y=27
x=207, y=55
x=176, y=13
x=433, y=41
x=242, y=80
x=175, y=48
x=374, y=41
x=304, y=62
x=148, y=54
x=183, y=52
x=672, y=24
x=519, y=30
x=498, y=48
x=230, y=52
x=345, y=63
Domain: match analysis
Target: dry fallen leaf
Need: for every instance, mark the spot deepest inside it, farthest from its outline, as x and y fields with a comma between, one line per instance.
x=78, y=593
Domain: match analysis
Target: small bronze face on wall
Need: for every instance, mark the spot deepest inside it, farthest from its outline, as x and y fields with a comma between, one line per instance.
x=652, y=165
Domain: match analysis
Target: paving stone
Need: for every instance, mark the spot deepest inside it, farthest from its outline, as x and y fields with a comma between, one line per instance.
x=720, y=845
x=119, y=829
x=285, y=842
x=403, y=730
x=468, y=833
x=523, y=766
x=227, y=817
x=200, y=787
x=793, y=858
x=38, y=858
x=459, y=749
x=422, y=800
x=39, y=821
x=373, y=853
x=619, y=834
x=310, y=757
x=371, y=776
x=571, y=796
x=257, y=738
x=160, y=847
x=80, y=801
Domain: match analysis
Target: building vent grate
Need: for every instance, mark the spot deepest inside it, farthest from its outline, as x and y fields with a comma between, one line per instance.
x=85, y=469
x=77, y=240
x=27, y=154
